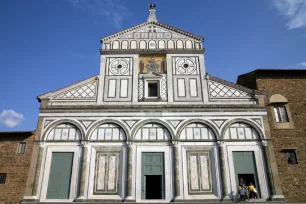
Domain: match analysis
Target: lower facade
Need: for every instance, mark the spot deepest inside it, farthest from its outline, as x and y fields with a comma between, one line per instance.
x=151, y=160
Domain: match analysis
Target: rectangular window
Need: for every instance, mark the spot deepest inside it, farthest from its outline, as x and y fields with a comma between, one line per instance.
x=22, y=146
x=291, y=156
x=2, y=178
x=281, y=115
x=152, y=89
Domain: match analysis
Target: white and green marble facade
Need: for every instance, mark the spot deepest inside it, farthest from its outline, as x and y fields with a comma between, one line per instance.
x=107, y=121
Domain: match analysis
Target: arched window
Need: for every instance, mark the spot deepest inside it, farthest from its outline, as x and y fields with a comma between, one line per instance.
x=124, y=45
x=64, y=131
x=170, y=44
x=241, y=131
x=197, y=131
x=153, y=132
x=133, y=44
x=161, y=44
x=188, y=44
x=179, y=44
x=111, y=132
x=143, y=44
x=116, y=45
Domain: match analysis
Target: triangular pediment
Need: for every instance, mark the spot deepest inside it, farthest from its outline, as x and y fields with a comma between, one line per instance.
x=152, y=30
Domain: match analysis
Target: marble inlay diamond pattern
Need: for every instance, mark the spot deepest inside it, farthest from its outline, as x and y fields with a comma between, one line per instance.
x=140, y=89
x=218, y=90
x=163, y=85
x=84, y=91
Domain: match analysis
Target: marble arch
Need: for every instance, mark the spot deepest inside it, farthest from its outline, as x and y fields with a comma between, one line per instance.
x=96, y=124
x=53, y=124
x=140, y=124
x=245, y=121
x=201, y=121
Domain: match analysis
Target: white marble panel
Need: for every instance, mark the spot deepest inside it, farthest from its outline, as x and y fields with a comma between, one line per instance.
x=65, y=132
x=181, y=87
x=72, y=134
x=123, y=88
x=233, y=133
x=189, y=133
x=204, y=172
x=101, y=172
x=112, y=171
x=194, y=177
x=101, y=134
x=197, y=133
x=160, y=134
x=193, y=87
x=58, y=133
x=112, y=88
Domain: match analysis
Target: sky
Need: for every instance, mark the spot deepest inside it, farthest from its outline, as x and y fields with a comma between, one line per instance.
x=48, y=44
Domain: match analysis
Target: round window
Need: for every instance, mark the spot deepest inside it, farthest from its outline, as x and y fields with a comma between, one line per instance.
x=186, y=66
x=119, y=66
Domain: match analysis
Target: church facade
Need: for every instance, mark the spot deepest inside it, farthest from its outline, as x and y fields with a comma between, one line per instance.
x=151, y=126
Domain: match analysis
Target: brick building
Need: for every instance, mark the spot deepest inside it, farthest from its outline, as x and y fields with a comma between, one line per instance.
x=285, y=102
x=15, y=158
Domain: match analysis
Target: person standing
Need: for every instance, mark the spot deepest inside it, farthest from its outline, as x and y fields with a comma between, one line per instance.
x=253, y=194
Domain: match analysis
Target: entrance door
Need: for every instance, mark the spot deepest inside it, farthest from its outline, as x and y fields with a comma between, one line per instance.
x=245, y=169
x=60, y=175
x=152, y=170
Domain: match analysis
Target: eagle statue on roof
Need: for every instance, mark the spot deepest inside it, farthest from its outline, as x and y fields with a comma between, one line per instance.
x=152, y=6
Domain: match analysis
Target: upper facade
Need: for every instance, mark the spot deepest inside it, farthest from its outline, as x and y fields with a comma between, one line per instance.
x=151, y=63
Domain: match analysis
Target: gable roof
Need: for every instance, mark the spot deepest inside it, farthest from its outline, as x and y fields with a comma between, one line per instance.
x=67, y=88
x=163, y=25
x=251, y=92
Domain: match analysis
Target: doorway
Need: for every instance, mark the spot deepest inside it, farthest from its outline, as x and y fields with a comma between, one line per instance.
x=245, y=169
x=60, y=175
x=152, y=185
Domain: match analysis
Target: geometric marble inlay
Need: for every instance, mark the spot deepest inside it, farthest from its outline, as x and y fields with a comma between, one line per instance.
x=130, y=123
x=47, y=122
x=218, y=122
x=87, y=123
x=218, y=90
x=84, y=91
x=258, y=121
x=174, y=123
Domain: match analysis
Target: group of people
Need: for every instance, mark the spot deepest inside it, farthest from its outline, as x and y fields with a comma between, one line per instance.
x=247, y=192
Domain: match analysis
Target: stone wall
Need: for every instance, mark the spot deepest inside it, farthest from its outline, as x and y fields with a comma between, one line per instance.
x=292, y=86
x=15, y=165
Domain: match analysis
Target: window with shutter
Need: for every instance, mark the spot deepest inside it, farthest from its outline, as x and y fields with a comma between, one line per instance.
x=281, y=115
x=22, y=146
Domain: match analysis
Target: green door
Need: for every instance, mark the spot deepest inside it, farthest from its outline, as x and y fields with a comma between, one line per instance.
x=60, y=175
x=152, y=171
x=245, y=168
